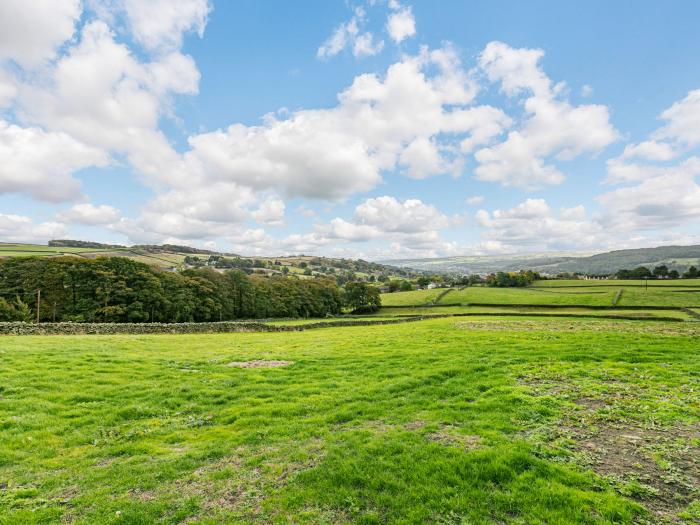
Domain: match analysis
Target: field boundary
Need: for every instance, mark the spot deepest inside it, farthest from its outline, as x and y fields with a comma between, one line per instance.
x=530, y=305
x=441, y=295
x=20, y=328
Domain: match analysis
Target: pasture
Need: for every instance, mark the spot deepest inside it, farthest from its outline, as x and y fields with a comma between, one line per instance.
x=455, y=421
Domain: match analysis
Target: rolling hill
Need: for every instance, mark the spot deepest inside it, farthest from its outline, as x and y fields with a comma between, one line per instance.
x=675, y=257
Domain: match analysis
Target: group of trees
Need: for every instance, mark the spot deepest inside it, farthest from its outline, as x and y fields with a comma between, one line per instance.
x=659, y=272
x=512, y=279
x=117, y=289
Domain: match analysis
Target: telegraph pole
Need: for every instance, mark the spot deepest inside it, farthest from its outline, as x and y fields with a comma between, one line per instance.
x=38, y=304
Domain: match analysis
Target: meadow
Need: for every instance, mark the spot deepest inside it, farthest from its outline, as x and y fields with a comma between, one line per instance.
x=481, y=419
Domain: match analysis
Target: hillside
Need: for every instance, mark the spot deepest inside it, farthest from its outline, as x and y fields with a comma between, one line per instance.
x=175, y=257
x=675, y=257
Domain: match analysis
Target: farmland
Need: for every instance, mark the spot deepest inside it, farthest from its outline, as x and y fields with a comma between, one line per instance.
x=545, y=404
x=445, y=421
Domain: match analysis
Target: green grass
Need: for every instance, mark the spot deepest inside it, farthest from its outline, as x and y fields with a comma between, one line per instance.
x=482, y=294
x=414, y=297
x=673, y=314
x=656, y=297
x=299, y=322
x=37, y=250
x=450, y=421
x=613, y=282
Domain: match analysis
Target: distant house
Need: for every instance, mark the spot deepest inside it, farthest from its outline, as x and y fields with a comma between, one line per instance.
x=432, y=286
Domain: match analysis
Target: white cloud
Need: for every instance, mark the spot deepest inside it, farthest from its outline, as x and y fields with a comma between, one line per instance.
x=342, y=229
x=649, y=150
x=40, y=163
x=533, y=224
x=349, y=35
x=682, y=121
x=270, y=212
x=664, y=198
x=160, y=24
x=586, y=90
x=365, y=45
x=475, y=200
x=31, y=31
x=552, y=128
x=90, y=214
x=390, y=215
x=18, y=228
x=333, y=153
x=401, y=24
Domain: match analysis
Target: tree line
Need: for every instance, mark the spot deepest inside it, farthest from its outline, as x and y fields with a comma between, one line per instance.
x=659, y=272
x=118, y=289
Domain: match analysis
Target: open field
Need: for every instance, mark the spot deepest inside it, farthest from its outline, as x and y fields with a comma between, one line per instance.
x=479, y=294
x=580, y=283
x=456, y=420
x=38, y=250
x=414, y=297
x=542, y=310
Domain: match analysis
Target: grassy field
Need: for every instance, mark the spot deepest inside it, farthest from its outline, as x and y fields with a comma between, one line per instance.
x=579, y=283
x=38, y=250
x=479, y=294
x=448, y=421
x=661, y=295
x=535, y=311
x=414, y=297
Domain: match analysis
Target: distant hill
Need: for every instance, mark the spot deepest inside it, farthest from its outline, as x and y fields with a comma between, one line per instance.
x=176, y=257
x=675, y=257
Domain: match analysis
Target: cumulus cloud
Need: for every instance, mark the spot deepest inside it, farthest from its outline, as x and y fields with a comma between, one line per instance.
x=665, y=197
x=349, y=35
x=401, y=24
x=90, y=214
x=553, y=127
x=380, y=122
x=391, y=215
x=161, y=24
x=40, y=163
x=18, y=228
x=30, y=32
x=270, y=212
x=660, y=195
x=475, y=200
x=682, y=121
x=533, y=224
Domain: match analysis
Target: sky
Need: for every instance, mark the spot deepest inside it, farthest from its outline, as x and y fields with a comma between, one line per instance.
x=379, y=129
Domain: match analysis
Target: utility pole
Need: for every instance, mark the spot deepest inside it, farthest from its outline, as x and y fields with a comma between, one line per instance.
x=38, y=304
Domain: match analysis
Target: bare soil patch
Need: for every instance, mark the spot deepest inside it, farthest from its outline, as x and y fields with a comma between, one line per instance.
x=450, y=436
x=645, y=327
x=658, y=466
x=260, y=363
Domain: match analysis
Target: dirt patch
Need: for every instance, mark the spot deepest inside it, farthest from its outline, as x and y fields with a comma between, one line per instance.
x=658, y=467
x=603, y=325
x=450, y=436
x=142, y=495
x=260, y=363
x=415, y=425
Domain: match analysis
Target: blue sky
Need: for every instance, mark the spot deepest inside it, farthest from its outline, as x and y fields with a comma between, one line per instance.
x=374, y=129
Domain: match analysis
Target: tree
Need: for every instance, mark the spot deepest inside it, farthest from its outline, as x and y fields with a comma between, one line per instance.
x=406, y=286
x=423, y=281
x=692, y=273
x=660, y=271
x=673, y=274
x=362, y=298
